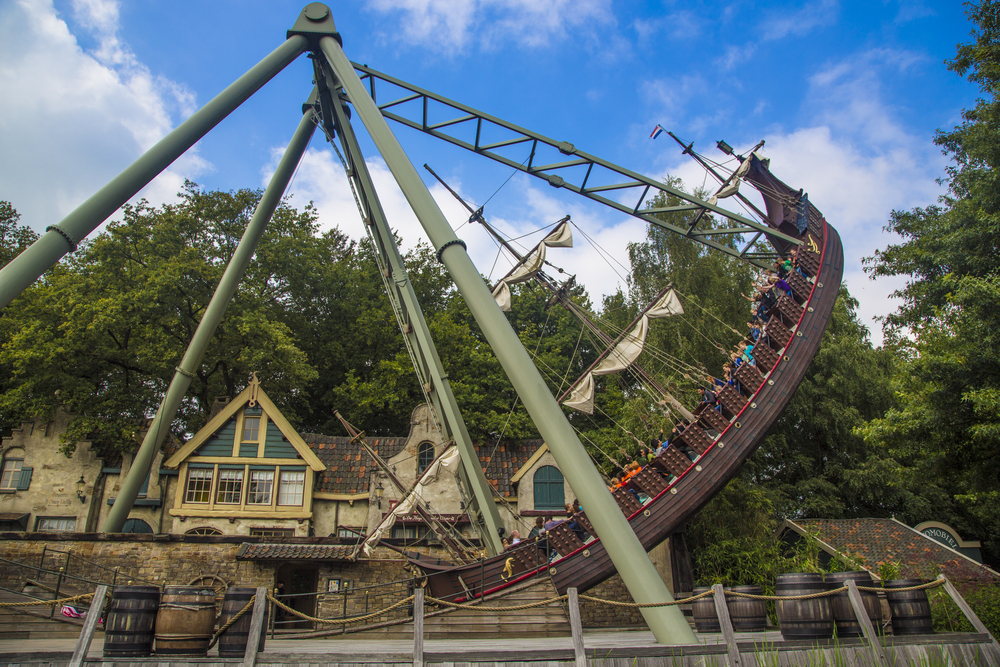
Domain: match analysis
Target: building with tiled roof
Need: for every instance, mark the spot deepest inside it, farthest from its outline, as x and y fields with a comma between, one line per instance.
x=297, y=505
x=348, y=466
x=871, y=543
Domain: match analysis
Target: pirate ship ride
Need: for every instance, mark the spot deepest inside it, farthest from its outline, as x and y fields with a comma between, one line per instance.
x=718, y=440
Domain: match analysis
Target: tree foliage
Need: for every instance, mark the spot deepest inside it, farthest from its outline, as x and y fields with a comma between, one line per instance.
x=102, y=333
x=942, y=441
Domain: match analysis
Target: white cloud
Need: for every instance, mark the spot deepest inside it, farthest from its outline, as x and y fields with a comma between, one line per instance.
x=452, y=26
x=801, y=22
x=678, y=25
x=72, y=119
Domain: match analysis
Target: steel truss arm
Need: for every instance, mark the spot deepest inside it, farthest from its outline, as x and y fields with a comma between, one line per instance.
x=584, y=174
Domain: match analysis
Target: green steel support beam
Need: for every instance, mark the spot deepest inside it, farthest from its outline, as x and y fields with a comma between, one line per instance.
x=206, y=328
x=482, y=508
x=625, y=550
x=60, y=239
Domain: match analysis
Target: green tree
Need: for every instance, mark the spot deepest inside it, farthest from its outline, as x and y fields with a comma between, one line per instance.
x=13, y=237
x=942, y=442
x=102, y=333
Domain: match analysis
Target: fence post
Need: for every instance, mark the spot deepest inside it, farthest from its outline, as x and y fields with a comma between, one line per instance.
x=726, y=625
x=256, y=627
x=576, y=627
x=866, y=624
x=967, y=610
x=418, y=627
x=59, y=579
x=89, y=625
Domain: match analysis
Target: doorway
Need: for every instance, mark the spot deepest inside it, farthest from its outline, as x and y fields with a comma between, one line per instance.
x=300, y=581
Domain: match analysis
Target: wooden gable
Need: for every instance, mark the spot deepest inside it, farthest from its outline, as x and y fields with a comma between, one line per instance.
x=223, y=438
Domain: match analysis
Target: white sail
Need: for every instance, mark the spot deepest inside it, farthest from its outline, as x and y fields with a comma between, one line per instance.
x=561, y=237
x=448, y=461
x=733, y=186
x=624, y=354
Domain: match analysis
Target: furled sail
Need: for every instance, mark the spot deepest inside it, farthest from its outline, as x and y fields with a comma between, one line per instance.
x=732, y=185
x=624, y=353
x=561, y=237
x=449, y=461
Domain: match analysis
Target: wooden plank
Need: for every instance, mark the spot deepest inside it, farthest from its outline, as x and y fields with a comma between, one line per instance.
x=967, y=610
x=256, y=627
x=577, y=627
x=722, y=611
x=89, y=626
x=418, y=627
x=878, y=654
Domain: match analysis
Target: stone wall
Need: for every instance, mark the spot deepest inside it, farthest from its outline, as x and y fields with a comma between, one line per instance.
x=597, y=615
x=156, y=559
x=364, y=586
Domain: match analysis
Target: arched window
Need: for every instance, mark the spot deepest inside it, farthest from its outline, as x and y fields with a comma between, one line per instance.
x=548, y=488
x=204, y=530
x=425, y=456
x=136, y=526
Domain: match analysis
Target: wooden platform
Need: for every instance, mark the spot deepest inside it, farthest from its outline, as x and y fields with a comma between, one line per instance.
x=604, y=649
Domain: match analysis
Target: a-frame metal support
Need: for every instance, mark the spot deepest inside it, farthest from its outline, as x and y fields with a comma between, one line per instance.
x=315, y=30
x=483, y=511
x=623, y=547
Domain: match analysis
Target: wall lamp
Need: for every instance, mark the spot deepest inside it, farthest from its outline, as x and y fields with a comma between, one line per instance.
x=378, y=493
x=81, y=487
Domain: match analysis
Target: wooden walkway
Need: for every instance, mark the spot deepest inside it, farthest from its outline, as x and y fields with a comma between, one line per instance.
x=578, y=649
x=603, y=649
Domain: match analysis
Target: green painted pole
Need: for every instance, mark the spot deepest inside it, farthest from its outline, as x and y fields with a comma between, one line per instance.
x=486, y=516
x=206, y=328
x=60, y=239
x=623, y=547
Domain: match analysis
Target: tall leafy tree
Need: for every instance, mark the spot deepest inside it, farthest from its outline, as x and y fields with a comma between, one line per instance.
x=944, y=439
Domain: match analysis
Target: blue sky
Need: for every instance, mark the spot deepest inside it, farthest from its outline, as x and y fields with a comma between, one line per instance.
x=846, y=94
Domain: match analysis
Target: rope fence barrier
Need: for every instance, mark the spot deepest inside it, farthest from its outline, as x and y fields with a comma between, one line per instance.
x=47, y=603
x=562, y=598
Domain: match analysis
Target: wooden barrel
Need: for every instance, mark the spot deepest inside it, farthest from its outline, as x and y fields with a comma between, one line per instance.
x=911, y=611
x=128, y=629
x=703, y=610
x=840, y=604
x=803, y=619
x=233, y=642
x=185, y=621
x=747, y=615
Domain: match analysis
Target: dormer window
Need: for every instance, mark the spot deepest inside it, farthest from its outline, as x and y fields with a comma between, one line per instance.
x=251, y=429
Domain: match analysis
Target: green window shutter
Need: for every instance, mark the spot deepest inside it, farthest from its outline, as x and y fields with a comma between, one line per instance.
x=548, y=489
x=145, y=485
x=25, y=481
